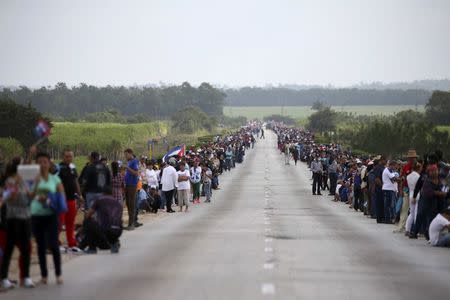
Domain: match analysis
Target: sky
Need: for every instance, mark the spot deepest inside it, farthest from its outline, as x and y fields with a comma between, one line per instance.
x=232, y=42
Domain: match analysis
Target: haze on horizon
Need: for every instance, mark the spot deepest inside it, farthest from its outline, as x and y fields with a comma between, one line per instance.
x=232, y=43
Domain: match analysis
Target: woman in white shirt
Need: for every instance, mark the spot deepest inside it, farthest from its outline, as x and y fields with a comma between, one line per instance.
x=412, y=181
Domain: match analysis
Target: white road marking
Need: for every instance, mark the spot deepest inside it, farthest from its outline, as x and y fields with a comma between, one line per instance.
x=268, y=266
x=266, y=223
x=268, y=240
x=268, y=249
x=268, y=289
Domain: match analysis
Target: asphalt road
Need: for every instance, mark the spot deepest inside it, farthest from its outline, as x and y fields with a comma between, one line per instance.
x=263, y=236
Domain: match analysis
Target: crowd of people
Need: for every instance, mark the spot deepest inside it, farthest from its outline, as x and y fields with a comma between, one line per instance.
x=41, y=208
x=410, y=192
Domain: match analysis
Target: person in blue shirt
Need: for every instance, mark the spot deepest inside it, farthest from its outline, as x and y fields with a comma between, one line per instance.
x=131, y=181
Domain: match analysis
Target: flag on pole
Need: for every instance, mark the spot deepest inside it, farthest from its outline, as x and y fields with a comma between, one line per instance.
x=42, y=129
x=176, y=151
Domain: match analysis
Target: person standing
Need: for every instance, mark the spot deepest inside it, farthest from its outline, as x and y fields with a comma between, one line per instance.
x=333, y=175
x=412, y=179
x=150, y=173
x=117, y=182
x=390, y=189
x=131, y=181
x=378, y=188
x=18, y=226
x=196, y=177
x=184, y=187
x=169, y=181
x=206, y=178
x=430, y=195
x=95, y=177
x=316, y=168
x=69, y=178
x=44, y=219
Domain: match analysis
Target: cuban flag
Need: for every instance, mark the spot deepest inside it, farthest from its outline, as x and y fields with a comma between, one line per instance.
x=42, y=129
x=176, y=151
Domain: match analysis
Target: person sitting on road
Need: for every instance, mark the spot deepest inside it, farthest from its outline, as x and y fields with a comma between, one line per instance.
x=155, y=199
x=437, y=228
x=104, y=230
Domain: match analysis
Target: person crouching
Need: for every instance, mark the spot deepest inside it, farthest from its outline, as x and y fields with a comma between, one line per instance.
x=104, y=230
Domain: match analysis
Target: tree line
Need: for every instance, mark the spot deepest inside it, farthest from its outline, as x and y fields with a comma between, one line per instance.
x=84, y=100
x=387, y=134
x=256, y=96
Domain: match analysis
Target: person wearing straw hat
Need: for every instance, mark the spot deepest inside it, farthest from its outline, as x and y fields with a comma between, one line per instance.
x=406, y=171
x=408, y=167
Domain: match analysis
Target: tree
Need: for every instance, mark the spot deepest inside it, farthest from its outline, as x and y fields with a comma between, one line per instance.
x=192, y=119
x=323, y=120
x=155, y=102
x=18, y=121
x=438, y=108
x=318, y=105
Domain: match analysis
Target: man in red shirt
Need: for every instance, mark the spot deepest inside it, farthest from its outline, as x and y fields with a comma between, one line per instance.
x=408, y=168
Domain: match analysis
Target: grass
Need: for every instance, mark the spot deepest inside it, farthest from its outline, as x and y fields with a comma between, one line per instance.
x=303, y=112
x=110, y=139
x=107, y=138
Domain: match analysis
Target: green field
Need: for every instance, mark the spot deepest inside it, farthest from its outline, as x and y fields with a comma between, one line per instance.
x=107, y=138
x=303, y=112
x=111, y=139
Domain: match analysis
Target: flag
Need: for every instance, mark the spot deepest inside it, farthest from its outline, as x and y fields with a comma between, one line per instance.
x=42, y=129
x=176, y=151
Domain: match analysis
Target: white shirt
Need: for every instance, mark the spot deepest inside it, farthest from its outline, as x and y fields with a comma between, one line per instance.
x=184, y=185
x=412, y=179
x=388, y=184
x=196, y=174
x=152, y=178
x=436, y=227
x=169, y=179
x=363, y=174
